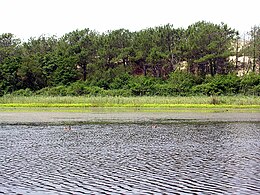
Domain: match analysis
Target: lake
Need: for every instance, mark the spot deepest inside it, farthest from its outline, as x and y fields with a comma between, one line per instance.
x=174, y=158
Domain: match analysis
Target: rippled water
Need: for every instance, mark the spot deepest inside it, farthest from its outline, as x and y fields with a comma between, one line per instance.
x=220, y=158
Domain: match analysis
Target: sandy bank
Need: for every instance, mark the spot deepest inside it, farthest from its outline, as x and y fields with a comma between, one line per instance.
x=133, y=117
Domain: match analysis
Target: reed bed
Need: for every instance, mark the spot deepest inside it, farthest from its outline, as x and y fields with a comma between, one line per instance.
x=145, y=101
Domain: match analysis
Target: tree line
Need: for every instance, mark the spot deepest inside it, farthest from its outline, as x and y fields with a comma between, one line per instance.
x=155, y=61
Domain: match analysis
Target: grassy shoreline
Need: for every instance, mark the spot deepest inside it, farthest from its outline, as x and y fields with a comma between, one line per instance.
x=241, y=102
x=80, y=105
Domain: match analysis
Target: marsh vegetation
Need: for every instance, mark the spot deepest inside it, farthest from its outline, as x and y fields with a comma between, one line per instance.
x=198, y=102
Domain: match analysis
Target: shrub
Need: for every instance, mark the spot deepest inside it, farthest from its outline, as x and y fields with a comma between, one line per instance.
x=77, y=89
x=249, y=84
x=205, y=89
x=256, y=90
x=117, y=92
x=141, y=85
x=120, y=82
x=23, y=92
x=218, y=85
x=53, y=91
x=181, y=83
x=93, y=90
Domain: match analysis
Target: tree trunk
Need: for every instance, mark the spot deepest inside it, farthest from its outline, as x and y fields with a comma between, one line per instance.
x=237, y=54
x=212, y=71
x=145, y=70
x=84, y=67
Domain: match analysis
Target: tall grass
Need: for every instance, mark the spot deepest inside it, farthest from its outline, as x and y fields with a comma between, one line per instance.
x=144, y=101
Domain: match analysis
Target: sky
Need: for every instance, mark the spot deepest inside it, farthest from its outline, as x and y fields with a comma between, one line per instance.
x=33, y=18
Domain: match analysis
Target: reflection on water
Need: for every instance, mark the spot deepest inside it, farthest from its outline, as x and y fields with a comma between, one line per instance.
x=131, y=159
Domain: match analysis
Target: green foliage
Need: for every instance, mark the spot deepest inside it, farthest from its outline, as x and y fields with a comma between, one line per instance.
x=53, y=91
x=252, y=49
x=124, y=63
x=120, y=82
x=8, y=46
x=181, y=82
x=207, y=47
x=116, y=92
x=142, y=85
x=219, y=85
x=23, y=92
x=66, y=73
x=9, y=80
x=250, y=84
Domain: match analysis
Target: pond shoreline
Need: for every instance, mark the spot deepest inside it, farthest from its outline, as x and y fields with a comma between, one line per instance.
x=119, y=116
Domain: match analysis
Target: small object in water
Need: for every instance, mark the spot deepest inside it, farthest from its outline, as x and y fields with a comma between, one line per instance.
x=154, y=126
x=67, y=128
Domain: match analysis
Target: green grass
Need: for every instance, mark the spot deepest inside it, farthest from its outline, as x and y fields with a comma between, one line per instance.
x=163, y=102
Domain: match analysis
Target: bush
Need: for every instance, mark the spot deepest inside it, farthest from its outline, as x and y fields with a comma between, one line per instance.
x=142, y=85
x=256, y=90
x=117, y=92
x=249, y=84
x=163, y=90
x=178, y=84
x=218, y=85
x=53, y=91
x=93, y=90
x=205, y=89
x=77, y=89
x=120, y=82
x=181, y=83
x=23, y=92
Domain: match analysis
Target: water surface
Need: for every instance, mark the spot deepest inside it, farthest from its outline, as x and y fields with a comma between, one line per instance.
x=192, y=158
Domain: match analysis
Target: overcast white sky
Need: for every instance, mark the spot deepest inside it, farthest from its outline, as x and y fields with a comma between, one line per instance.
x=32, y=18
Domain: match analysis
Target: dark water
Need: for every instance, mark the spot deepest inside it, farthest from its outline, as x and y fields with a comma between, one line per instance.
x=220, y=158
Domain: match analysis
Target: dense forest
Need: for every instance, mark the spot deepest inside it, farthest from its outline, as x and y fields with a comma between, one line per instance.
x=156, y=61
